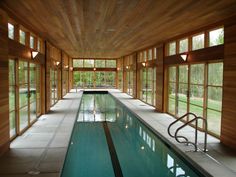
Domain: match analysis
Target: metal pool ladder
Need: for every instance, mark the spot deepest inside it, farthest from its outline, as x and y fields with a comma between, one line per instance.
x=184, y=139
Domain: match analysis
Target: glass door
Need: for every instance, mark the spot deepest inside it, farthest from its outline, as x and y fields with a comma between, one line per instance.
x=23, y=95
x=32, y=92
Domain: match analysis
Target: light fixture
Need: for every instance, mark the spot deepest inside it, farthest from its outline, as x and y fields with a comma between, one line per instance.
x=127, y=67
x=66, y=66
x=126, y=126
x=118, y=69
x=144, y=64
x=34, y=54
x=184, y=56
x=71, y=68
x=94, y=69
x=142, y=147
x=57, y=63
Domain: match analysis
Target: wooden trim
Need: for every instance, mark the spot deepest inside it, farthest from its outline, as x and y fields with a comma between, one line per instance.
x=97, y=69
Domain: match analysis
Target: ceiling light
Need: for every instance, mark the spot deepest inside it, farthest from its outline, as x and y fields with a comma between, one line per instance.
x=34, y=54
x=184, y=56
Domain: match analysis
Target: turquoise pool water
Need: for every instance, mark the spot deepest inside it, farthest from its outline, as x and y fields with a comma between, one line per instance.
x=109, y=141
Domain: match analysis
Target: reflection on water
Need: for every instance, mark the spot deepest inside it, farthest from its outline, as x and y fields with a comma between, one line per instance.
x=97, y=108
x=140, y=152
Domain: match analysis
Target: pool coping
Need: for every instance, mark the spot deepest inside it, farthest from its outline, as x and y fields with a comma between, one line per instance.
x=209, y=167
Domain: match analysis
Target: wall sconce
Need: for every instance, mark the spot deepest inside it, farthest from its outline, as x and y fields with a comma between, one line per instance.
x=118, y=69
x=57, y=63
x=34, y=54
x=66, y=66
x=184, y=57
x=94, y=69
x=71, y=68
x=127, y=67
x=144, y=64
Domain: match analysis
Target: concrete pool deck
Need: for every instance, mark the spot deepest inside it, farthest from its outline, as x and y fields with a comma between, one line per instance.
x=42, y=148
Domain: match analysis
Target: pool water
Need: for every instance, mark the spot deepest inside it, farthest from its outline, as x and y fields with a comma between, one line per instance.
x=108, y=140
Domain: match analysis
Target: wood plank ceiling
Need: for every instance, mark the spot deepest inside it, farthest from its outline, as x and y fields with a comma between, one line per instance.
x=113, y=28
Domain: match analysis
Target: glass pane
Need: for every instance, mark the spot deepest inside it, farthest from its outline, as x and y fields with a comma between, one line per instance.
x=100, y=79
x=215, y=74
x=31, y=42
x=214, y=98
x=23, y=95
x=78, y=63
x=214, y=121
x=197, y=74
x=197, y=111
x=150, y=54
x=23, y=72
x=12, y=72
x=111, y=63
x=182, y=99
x=33, y=115
x=100, y=63
x=172, y=48
x=198, y=42
x=88, y=79
x=172, y=90
x=38, y=83
x=12, y=98
x=196, y=95
x=10, y=31
x=22, y=37
x=172, y=74
x=171, y=106
x=183, y=45
x=78, y=79
x=183, y=74
x=154, y=53
x=23, y=118
x=110, y=79
x=88, y=63
x=39, y=45
x=216, y=37
x=12, y=118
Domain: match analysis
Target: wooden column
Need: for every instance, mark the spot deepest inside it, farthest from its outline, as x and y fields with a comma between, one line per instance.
x=160, y=79
x=70, y=74
x=47, y=77
x=228, y=124
x=4, y=100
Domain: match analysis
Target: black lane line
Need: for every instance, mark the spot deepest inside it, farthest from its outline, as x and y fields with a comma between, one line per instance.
x=114, y=158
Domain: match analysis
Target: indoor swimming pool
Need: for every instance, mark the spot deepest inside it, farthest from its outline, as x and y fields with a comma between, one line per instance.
x=108, y=140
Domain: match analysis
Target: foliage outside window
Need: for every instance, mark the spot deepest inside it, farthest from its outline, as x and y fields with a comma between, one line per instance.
x=11, y=31
x=89, y=63
x=22, y=37
x=172, y=48
x=183, y=45
x=216, y=37
x=100, y=64
x=111, y=63
x=12, y=98
x=150, y=54
x=198, y=42
x=78, y=63
x=31, y=42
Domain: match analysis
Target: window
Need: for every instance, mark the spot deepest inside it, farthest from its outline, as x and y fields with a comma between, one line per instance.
x=216, y=37
x=183, y=45
x=78, y=63
x=150, y=54
x=190, y=87
x=22, y=37
x=111, y=63
x=198, y=42
x=88, y=63
x=214, y=100
x=11, y=31
x=172, y=48
x=31, y=42
x=12, y=98
x=100, y=63
x=39, y=45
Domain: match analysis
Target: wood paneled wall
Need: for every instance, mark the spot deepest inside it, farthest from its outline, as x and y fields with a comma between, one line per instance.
x=4, y=100
x=228, y=128
x=160, y=78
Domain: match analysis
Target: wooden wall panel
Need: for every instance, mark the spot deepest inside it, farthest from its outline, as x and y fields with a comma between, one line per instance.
x=47, y=78
x=4, y=100
x=228, y=129
x=160, y=79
